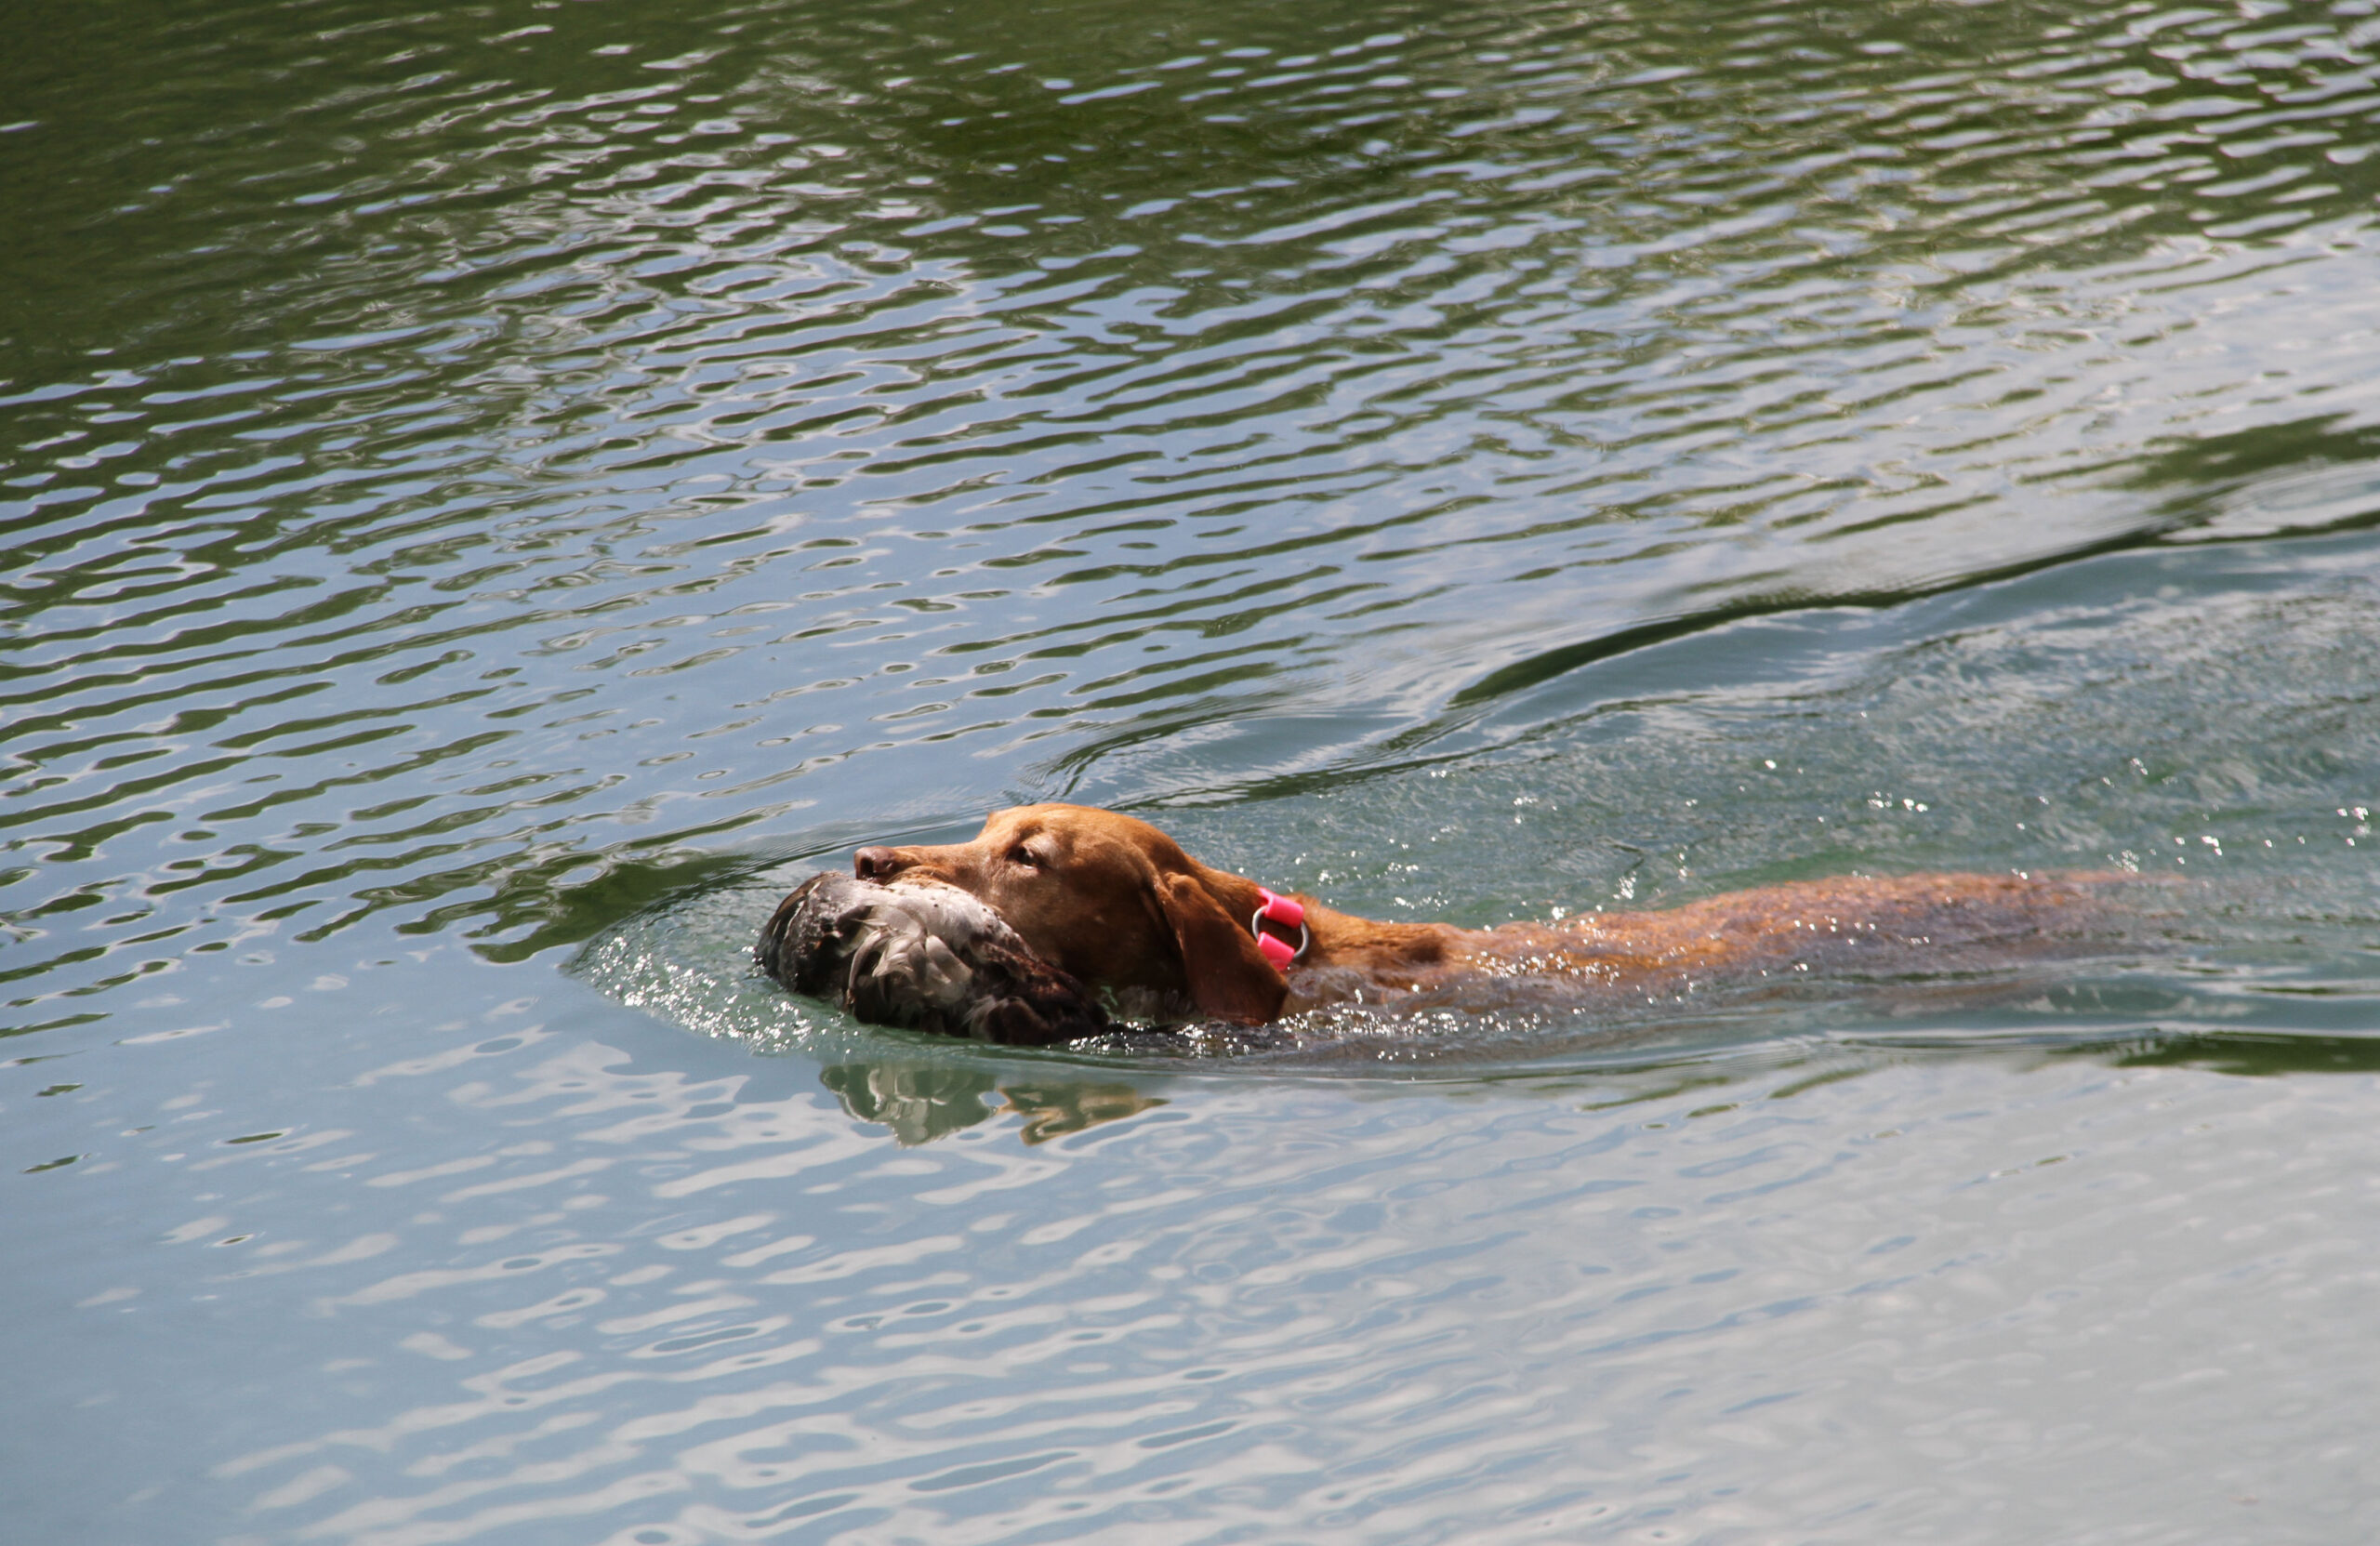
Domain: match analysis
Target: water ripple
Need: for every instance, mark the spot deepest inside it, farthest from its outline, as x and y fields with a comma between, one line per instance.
x=1226, y=1318
x=437, y=476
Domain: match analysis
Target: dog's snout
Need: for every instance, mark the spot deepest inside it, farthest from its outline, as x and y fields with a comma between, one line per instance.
x=875, y=863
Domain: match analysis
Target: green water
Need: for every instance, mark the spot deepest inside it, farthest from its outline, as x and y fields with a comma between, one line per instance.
x=490, y=495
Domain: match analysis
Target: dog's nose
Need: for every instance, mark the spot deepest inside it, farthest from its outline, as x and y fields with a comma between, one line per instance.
x=875, y=863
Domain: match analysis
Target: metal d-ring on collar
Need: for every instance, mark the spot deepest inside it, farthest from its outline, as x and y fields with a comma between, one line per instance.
x=1289, y=913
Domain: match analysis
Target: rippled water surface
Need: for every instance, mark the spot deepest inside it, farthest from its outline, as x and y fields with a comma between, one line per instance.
x=491, y=495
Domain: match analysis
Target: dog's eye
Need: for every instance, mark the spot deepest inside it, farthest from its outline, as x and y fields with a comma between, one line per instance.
x=1022, y=855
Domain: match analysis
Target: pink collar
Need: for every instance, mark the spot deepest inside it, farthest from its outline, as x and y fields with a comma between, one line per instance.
x=1289, y=913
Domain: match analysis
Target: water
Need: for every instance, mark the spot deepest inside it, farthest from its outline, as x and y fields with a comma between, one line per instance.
x=491, y=495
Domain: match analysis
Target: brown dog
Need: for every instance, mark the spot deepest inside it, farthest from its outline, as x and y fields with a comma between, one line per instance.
x=1119, y=905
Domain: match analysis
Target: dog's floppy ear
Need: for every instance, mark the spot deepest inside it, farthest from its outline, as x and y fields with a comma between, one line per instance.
x=1229, y=978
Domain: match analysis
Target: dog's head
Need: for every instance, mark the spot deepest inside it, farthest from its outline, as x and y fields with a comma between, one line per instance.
x=1110, y=900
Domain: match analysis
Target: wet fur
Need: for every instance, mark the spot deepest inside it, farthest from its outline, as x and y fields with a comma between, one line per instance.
x=1071, y=901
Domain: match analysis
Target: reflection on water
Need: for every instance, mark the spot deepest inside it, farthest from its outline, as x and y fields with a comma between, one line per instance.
x=486, y=493
x=921, y=1101
x=918, y=1101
